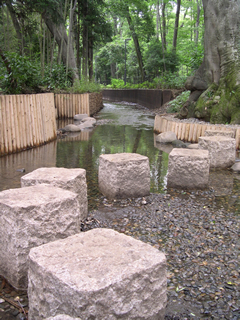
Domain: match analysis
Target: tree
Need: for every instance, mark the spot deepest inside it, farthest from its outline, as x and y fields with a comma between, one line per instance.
x=216, y=84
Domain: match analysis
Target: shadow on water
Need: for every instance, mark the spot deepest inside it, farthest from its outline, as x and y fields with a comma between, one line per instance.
x=121, y=128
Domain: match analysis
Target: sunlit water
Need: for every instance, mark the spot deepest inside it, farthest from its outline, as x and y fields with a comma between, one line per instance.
x=127, y=129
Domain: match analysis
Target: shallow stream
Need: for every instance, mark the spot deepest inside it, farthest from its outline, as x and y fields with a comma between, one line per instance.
x=121, y=128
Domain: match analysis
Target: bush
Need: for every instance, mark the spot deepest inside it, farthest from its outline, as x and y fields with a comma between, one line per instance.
x=176, y=104
x=83, y=86
x=56, y=78
x=25, y=74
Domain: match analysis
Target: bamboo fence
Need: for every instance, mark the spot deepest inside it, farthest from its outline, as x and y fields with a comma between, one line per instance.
x=191, y=132
x=67, y=105
x=26, y=121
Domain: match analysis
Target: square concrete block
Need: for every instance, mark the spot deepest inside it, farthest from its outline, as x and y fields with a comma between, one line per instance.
x=70, y=179
x=99, y=274
x=29, y=217
x=188, y=169
x=124, y=175
x=222, y=150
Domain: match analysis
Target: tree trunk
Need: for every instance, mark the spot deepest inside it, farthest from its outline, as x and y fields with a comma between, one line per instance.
x=137, y=46
x=219, y=74
x=17, y=26
x=85, y=41
x=176, y=25
x=164, y=26
x=62, y=41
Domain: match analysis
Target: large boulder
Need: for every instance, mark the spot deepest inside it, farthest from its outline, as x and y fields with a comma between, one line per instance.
x=99, y=274
x=71, y=128
x=166, y=137
x=80, y=116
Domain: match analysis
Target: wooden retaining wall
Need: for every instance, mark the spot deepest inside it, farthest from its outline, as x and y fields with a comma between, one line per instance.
x=190, y=132
x=26, y=121
x=67, y=105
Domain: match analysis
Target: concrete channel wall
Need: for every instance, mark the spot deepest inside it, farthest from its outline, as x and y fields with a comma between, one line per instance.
x=150, y=98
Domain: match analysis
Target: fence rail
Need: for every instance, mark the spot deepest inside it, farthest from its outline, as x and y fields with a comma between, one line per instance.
x=191, y=132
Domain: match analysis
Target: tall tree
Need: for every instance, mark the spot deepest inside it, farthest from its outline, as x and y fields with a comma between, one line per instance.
x=176, y=25
x=219, y=74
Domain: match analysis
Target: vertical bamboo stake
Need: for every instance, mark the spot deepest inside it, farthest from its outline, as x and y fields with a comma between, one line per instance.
x=237, y=137
x=183, y=130
x=195, y=133
x=2, y=124
x=8, y=124
x=191, y=132
x=17, y=114
x=199, y=131
x=186, y=135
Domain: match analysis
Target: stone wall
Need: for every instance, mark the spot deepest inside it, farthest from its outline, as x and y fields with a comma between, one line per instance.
x=95, y=102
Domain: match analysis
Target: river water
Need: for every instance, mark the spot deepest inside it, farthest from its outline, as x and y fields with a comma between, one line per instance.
x=121, y=128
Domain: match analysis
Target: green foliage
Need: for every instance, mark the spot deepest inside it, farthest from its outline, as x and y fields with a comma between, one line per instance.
x=24, y=76
x=56, y=78
x=83, y=86
x=176, y=104
x=170, y=81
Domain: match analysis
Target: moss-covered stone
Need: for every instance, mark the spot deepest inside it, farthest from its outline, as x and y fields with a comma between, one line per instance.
x=220, y=104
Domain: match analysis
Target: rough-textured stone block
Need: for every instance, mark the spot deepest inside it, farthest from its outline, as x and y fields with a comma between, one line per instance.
x=188, y=169
x=99, y=274
x=70, y=179
x=225, y=133
x=124, y=175
x=29, y=217
x=222, y=150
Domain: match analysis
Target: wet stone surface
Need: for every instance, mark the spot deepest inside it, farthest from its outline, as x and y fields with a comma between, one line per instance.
x=201, y=245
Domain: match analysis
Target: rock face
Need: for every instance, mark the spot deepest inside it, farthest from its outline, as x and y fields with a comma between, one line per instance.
x=69, y=179
x=29, y=217
x=99, y=274
x=124, y=175
x=188, y=169
x=222, y=150
x=166, y=137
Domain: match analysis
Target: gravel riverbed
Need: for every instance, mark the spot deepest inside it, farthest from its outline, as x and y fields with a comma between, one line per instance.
x=201, y=245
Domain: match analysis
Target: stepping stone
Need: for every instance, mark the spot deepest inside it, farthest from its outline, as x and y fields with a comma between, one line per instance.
x=225, y=133
x=98, y=274
x=188, y=169
x=70, y=179
x=222, y=150
x=29, y=217
x=124, y=175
